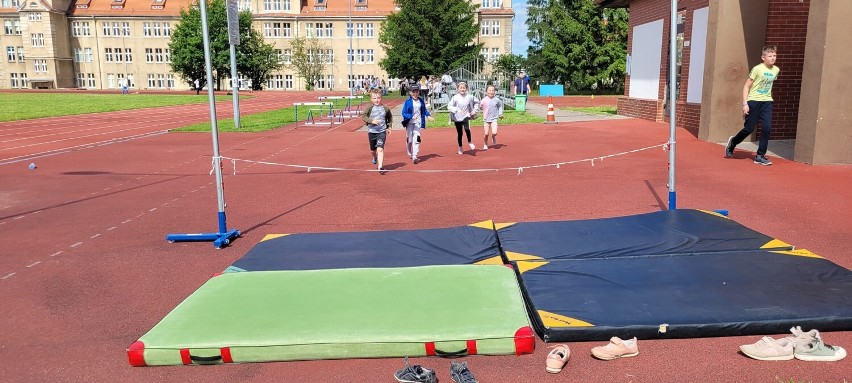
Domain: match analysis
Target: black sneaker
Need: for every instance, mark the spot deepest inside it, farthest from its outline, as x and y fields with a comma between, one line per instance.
x=729, y=149
x=761, y=160
x=460, y=373
x=415, y=374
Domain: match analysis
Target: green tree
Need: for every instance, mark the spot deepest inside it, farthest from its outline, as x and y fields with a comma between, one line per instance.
x=311, y=58
x=429, y=37
x=510, y=64
x=578, y=44
x=187, y=46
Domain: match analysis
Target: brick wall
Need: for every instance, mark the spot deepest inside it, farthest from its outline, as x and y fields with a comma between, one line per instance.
x=787, y=25
x=639, y=108
x=645, y=11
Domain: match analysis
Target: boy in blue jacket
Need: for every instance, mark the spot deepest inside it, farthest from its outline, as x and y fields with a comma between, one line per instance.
x=414, y=116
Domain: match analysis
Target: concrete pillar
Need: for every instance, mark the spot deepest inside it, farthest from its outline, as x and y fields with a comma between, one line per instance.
x=736, y=32
x=824, y=135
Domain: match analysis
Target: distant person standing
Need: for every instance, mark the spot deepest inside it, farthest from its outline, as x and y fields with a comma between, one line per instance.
x=521, y=85
x=123, y=82
x=757, y=105
x=197, y=85
x=492, y=110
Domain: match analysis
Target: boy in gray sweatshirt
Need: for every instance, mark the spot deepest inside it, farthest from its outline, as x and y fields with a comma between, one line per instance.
x=378, y=118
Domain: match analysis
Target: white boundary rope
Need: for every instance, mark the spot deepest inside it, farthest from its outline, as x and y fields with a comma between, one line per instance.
x=519, y=169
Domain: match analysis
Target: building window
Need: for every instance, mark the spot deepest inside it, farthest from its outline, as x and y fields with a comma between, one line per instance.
x=149, y=55
x=271, y=5
x=288, y=56
x=329, y=30
x=108, y=55
x=371, y=57
x=10, y=4
x=116, y=29
x=146, y=29
x=158, y=55
x=87, y=52
x=484, y=27
x=35, y=16
x=271, y=29
x=13, y=80
x=287, y=30
x=78, y=55
x=80, y=28
x=495, y=53
x=495, y=28
x=360, y=56
x=492, y=3
x=40, y=66
x=37, y=39
x=128, y=55
x=350, y=56
x=125, y=29
x=119, y=55
x=348, y=29
x=288, y=81
x=10, y=54
x=21, y=54
x=168, y=55
x=275, y=82
x=369, y=29
x=167, y=29
x=106, y=29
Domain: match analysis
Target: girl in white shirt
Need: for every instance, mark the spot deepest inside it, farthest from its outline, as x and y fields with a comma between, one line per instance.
x=463, y=108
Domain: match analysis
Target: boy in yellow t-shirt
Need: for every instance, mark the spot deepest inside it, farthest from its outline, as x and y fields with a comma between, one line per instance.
x=757, y=105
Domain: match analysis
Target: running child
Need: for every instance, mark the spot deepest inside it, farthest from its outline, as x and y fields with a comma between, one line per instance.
x=414, y=116
x=378, y=118
x=463, y=108
x=492, y=110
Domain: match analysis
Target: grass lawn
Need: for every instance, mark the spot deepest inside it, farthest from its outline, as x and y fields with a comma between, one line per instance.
x=24, y=106
x=257, y=122
x=510, y=117
x=600, y=110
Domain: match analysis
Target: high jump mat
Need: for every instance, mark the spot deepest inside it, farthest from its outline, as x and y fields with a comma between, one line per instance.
x=686, y=296
x=342, y=313
x=475, y=243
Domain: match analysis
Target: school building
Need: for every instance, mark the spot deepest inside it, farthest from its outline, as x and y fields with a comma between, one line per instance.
x=99, y=44
x=718, y=42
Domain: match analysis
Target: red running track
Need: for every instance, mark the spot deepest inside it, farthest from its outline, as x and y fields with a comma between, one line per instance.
x=85, y=268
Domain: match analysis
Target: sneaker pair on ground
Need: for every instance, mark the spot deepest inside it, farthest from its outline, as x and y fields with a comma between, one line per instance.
x=807, y=346
x=758, y=159
x=617, y=348
x=419, y=374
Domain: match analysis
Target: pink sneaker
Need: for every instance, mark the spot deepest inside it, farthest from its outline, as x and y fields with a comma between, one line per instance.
x=617, y=348
x=769, y=349
x=557, y=358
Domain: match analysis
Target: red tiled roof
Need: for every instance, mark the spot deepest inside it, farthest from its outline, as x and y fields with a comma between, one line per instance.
x=131, y=8
x=335, y=8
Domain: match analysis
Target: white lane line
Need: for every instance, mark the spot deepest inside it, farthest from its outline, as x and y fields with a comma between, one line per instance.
x=37, y=211
x=95, y=236
x=56, y=253
x=152, y=209
x=3, y=223
x=36, y=263
x=8, y=275
x=140, y=214
x=126, y=221
x=164, y=204
x=77, y=244
x=174, y=200
x=111, y=228
x=19, y=217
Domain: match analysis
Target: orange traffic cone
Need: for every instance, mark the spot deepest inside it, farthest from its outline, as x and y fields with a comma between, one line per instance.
x=551, y=116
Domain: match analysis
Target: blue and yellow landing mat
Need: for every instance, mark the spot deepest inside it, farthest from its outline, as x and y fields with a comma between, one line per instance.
x=342, y=313
x=475, y=243
x=670, y=274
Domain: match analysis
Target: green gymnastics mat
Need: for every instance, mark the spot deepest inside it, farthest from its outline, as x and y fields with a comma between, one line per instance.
x=266, y=316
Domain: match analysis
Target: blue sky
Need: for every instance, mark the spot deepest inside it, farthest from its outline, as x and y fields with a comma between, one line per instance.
x=519, y=28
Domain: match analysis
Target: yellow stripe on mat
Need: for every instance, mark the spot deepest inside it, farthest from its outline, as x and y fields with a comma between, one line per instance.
x=551, y=320
x=273, y=236
x=799, y=253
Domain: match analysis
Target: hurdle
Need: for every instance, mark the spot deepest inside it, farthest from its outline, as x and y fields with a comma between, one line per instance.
x=317, y=111
x=348, y=110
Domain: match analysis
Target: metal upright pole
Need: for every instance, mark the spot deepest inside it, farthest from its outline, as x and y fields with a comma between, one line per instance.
x=672, y=103
x=223, y=237
x=235, y=86
x=352, y=51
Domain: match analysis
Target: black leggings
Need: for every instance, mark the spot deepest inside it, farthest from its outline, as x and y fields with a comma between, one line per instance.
x=463, y=124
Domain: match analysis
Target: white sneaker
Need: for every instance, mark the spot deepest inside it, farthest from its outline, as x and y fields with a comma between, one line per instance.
x=472, y=146
x=414, y=160
x=460, y=150
x=484, y=147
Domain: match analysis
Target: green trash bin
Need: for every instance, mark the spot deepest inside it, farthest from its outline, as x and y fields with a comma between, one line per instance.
x=521, y=102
